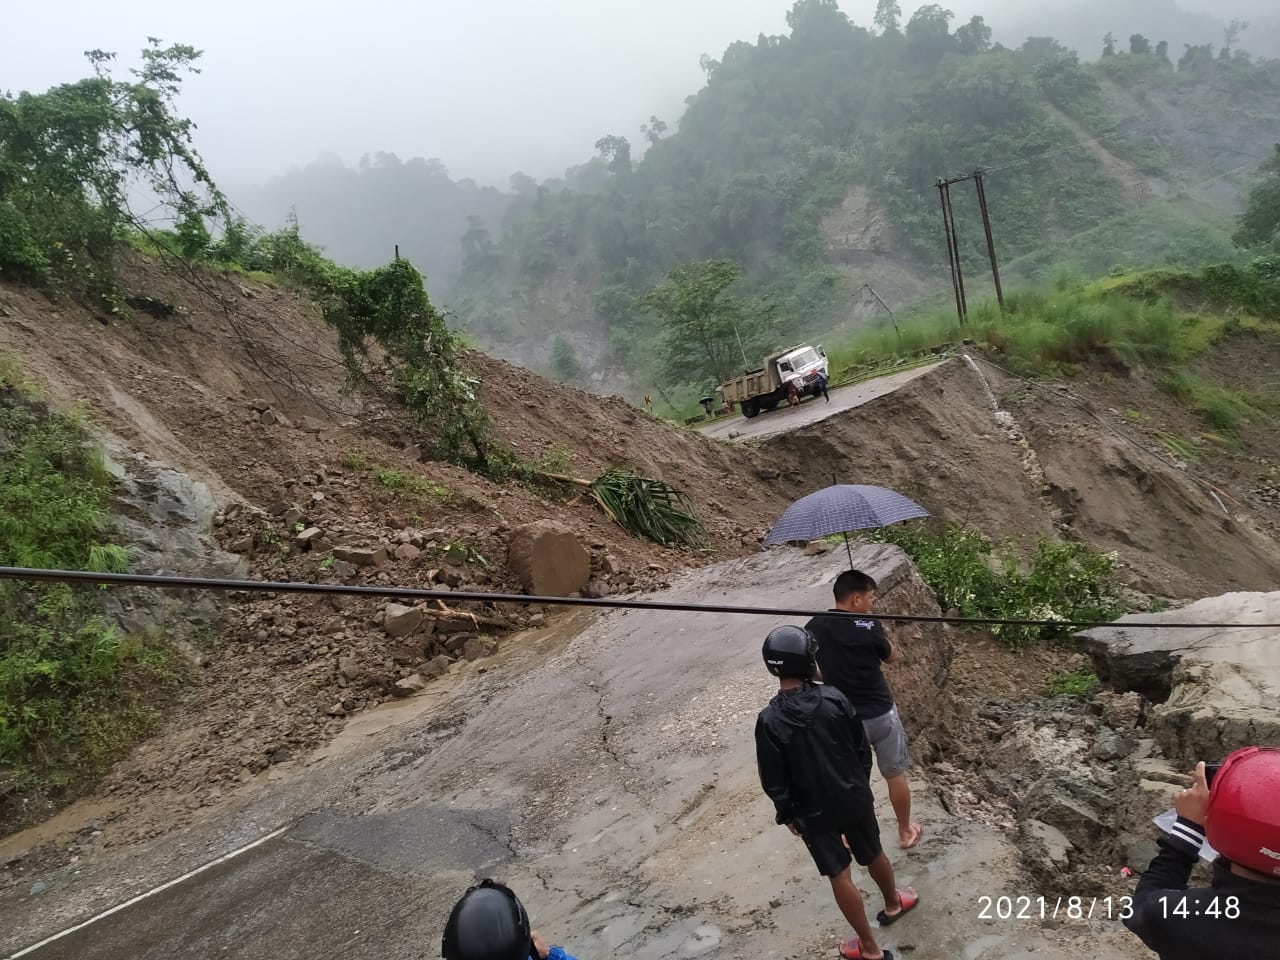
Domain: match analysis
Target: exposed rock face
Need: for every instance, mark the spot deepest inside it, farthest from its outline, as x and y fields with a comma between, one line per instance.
x=1215, y=689
x=548, y=559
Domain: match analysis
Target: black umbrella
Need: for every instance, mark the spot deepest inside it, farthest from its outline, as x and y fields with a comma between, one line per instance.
x=839, y=509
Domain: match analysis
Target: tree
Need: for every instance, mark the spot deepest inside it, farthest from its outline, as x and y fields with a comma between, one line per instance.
x=701, y=325
x=1231, y=33
x=617, y=152
x=888, y=16
x=1139, y=45
x=653, y=130
x=974, y=36
x=929, y=32
x=565, y=365
x=1162, y=50
x=1260, y=222
x=1109, y=45
x=71, y=159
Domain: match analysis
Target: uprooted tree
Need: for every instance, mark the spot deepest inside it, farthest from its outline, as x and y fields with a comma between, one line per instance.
x=72, y=158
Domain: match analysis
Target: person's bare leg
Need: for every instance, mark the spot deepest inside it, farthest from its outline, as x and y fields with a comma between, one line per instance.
x=849, y=900
x=900, y=798
x=881, y=871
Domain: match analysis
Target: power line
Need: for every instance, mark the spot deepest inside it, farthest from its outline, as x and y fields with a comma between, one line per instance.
x=460, y=596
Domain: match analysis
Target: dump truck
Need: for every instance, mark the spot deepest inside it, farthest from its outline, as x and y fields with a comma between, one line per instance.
x=765, y=388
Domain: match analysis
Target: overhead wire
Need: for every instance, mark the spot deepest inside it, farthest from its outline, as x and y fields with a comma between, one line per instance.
x=464, y=596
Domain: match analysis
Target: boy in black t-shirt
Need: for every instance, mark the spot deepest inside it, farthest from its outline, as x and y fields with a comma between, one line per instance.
x=850, y=652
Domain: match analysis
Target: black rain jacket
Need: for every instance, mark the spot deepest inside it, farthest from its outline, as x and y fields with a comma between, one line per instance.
x=1193, y=924
x=814, y=758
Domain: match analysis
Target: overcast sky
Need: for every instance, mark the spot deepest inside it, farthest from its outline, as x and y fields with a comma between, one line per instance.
x=488, y=86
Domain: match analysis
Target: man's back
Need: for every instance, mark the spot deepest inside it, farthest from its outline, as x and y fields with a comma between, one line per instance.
x=850, y=651
x=813, y=756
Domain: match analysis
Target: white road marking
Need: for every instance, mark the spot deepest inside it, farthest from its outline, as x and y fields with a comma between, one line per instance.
x=150, y=893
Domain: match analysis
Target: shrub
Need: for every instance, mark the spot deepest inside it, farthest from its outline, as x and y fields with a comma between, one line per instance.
x=1065, y=582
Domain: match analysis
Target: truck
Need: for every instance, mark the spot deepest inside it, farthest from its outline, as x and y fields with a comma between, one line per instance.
x=765, y=388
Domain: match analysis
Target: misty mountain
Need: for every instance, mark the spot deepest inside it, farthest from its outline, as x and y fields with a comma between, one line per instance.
x=359, y=215
x=811, y=159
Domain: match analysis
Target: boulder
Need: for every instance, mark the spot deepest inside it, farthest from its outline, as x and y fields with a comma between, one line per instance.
x=596, y=589
x=435, y=667
x=402, y=621
x=548, y=559
x=407, y=551
x=1050, y=845
x=477, y=648
x=292, y=516
x=414, y=683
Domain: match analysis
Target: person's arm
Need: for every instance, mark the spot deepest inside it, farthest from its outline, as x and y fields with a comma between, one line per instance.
x=884, y=646
x=773, y=774
x=1171, y=869
x=545, y=950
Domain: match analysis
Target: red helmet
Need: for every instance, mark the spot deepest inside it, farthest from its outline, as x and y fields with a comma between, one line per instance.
x=1243, y=819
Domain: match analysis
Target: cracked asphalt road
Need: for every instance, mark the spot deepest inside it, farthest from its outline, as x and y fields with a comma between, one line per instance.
x=609, y=778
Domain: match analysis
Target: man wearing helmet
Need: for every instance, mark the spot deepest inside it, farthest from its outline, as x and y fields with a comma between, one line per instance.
x=1238, y=915
x=490, y=923
x=814, y=764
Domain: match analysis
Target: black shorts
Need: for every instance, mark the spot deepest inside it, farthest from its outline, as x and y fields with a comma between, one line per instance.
x=832, y=857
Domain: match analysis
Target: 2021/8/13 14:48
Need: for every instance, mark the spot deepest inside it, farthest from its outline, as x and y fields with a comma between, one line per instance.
x=1055, y=908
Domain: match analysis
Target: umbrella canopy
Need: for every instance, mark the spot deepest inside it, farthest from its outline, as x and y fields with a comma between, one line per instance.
x=841, y=508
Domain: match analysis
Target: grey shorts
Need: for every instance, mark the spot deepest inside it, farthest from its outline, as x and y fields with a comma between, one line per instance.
x=889, y=741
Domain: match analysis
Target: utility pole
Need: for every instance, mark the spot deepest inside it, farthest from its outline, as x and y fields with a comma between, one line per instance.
x=953, y=252
x=892, y=319
x=991, y=244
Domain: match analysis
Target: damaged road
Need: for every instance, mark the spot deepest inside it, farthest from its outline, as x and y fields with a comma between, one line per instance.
x=611, y=780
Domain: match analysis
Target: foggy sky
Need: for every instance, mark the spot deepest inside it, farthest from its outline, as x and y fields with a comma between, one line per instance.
x=488, y=87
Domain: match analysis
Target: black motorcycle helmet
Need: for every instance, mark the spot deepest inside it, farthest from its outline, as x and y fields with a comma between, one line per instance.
x=488, y=923
x=791, y=651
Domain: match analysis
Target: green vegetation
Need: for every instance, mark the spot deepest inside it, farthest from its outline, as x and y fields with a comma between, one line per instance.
x=1058, y=582
x=1260, y=223
x=647, y=508
x=71, y=157
x=1081, y=684
x=74, y=692
x=412, y=486
x=565, y=365
x=809, y=159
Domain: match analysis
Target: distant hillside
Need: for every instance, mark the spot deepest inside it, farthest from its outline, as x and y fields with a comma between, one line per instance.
x=811, y=159
x=359, y=215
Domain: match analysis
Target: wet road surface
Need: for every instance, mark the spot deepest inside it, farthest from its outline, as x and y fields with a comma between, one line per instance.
x=611, y=781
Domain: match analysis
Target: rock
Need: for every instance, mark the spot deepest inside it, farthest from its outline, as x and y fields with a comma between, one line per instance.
x=816, y=547
x=596, y=589
x=413, y=451
x=1112, y=744
x=1058, y=804
x=1120, y=710
x=451, y=577
x=407, y=551
x=259, y=406
x=337, y=710
x=309, y=537
x=268, y=418
x=767, y=473
x=414, y=683
x=477, y=648
x=279, y=508
x=402, y=621
x=610, y=564
x=1049, y=844
x=435, y=667
x=349, y=667
x=38, y=888
x=548, y=559
x=243, y=545
x=1139, y=854
x=362, y=556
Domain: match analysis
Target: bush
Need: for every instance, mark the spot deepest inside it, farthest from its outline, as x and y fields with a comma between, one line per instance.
x=65, y=671
x=1066, y=582
x=1081, y=684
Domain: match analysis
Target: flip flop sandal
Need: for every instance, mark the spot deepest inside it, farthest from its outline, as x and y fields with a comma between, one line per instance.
x=851, y=949
x=908, y=902
x=916, y=842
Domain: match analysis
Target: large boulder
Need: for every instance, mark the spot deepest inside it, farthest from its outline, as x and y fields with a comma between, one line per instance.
x=548, y=559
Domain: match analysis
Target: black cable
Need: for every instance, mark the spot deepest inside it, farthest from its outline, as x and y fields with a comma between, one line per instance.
x=455, y=596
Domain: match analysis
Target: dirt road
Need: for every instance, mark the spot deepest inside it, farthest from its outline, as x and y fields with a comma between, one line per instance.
x=813, y=410
x=610, y=777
